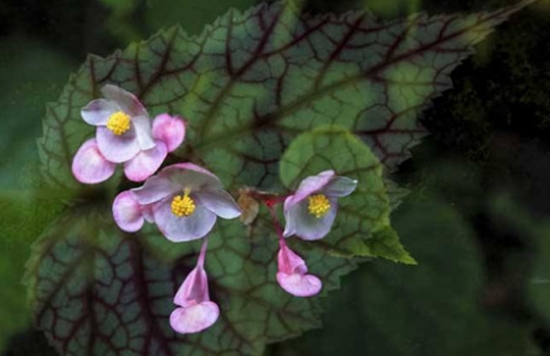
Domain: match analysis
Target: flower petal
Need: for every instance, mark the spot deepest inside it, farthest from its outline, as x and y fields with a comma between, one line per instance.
x=89, y=166
x=147, y=211
x=300, y=285
x=301, y=223
x=127, y=101
x=311, y=185
x=189, y=175
x=154, y=189
x=97, y=112
x=290, y=262
x=170, y=130
x=179, y=229
x=340, y=187
x=220, y=203
x=127, y=212
x=195, y=318
x=144, y=133
x=194, y=289
x=115, y=148
x=145, y=163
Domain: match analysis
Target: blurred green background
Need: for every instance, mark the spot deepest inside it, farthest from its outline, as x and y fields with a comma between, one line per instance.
x=476, y=218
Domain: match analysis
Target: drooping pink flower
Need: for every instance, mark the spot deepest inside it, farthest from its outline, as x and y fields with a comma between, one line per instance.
x=311, y=210
x=292, y=274
x=195, y=312
x=124, y=135
x=183, y=199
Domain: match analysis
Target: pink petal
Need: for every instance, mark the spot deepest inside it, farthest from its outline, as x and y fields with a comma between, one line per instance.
x=154, y=189
x=220, y=203
x=340, y=187
x=89, y=166
x=127, y=212
x=299, y=222
x=179, y=229
x=145, y=163
x=300, y=285
x=292, y=275
x=289, y=262
x=97, y=112
x=311, y=185
x=189, y=175
x=115, y=148
x=194, y=289
x=144, y=133
x=128, y=102
x=170, y=130
x=195, y=318
x=147, y=211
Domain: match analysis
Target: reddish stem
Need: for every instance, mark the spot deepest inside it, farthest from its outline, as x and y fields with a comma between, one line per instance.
x=202, y=254
x=276, y=224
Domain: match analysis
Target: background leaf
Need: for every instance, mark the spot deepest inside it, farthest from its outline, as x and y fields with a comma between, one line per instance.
x=26, y=207
x=515, y=217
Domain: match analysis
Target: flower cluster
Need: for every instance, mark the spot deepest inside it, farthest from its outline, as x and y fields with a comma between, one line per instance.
x=184, y=200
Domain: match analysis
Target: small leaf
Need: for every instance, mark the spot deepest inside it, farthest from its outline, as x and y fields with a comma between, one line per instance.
x=361, y=227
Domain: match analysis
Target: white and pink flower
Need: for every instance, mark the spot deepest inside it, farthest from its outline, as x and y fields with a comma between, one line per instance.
x=183, y=200
x=124, y=135
x=311, y=210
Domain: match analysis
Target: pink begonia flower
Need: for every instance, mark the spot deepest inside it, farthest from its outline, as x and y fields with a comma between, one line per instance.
x=196, y=312
x=124, y=135
x=292, y=274
x=310, y=211
x=183, y=199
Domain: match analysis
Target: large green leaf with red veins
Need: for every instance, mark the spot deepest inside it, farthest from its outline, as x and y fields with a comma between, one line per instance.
x=251, y=81
x=362, y=224
x=248, y=85
x=97, y=291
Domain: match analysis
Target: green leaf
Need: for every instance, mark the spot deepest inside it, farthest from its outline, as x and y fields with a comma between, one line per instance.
x=362, y=224
x=97, y=290
x=250, y=82
x=432, y=309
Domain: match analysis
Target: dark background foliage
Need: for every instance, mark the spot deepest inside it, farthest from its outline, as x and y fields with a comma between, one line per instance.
x=480, y=180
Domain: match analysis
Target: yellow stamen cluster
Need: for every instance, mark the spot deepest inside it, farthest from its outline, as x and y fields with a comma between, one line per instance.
x=183, y=205
x=118, y=123
x=318, y=205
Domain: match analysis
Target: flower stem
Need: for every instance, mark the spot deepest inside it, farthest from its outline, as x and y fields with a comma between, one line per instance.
x=277, y=225
x=202, y=254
